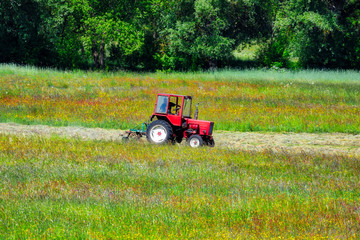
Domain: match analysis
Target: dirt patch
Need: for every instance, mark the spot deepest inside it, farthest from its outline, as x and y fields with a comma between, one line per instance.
x=323, y=143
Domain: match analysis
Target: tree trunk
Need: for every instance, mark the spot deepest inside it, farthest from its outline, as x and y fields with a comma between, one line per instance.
x=212, y=63
x=95, y=54
x=102, y=55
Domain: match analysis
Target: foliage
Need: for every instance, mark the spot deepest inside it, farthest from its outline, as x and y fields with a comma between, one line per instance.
x=202, y=34
x=201, y=37
x=318, y=33
x=100, y=27
x=274, y=53
x=24, y=36
x=182, y=35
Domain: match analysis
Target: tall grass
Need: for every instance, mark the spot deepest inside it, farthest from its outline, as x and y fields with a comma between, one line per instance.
x=58, y=188
x=247, y=100
x=277, y=75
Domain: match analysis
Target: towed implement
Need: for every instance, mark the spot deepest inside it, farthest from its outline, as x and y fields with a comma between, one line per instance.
x=171, y=122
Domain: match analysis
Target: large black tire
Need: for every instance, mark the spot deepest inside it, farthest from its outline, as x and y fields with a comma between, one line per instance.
x=159, y=132
x=195, y=141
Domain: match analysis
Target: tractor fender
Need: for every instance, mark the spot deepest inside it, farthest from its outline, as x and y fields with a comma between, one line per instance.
x=164, y=119
x=158, y=118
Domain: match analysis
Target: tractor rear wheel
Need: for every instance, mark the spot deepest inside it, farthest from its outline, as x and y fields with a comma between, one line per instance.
x=195, y=141
x=159, y=132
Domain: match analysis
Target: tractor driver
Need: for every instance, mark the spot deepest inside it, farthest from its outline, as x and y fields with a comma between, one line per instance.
x=172, y=111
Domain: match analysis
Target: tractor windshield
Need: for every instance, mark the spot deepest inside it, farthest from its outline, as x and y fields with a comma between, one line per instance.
x=162, y=104
x=187, y=107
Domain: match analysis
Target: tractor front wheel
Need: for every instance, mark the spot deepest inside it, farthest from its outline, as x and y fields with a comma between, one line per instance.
x=195, y=141
x=159, y=132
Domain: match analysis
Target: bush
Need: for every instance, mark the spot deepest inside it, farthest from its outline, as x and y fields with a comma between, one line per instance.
x=275, y=54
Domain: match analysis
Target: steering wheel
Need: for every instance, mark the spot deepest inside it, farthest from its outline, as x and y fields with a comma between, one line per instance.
x=175, y=108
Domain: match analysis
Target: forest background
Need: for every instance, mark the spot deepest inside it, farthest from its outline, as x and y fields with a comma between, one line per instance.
x=180, y=35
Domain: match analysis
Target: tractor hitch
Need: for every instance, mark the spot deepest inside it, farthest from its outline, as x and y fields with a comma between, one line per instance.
x=135, y=133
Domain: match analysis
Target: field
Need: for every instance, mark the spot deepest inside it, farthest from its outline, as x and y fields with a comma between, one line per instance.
x=55, y=186
x=251, y=100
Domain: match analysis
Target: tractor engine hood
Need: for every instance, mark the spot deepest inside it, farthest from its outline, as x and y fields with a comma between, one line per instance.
x=202, y=127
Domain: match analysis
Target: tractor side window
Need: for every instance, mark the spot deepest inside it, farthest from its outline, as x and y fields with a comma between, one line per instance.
x=162, y=104
x=187, y=107
x=174, y=106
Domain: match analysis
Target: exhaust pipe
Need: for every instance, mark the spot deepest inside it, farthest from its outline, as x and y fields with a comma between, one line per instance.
x=196, y=115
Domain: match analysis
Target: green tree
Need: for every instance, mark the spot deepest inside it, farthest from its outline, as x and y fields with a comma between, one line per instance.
x=320, y=33
x=103, y=31
x=199, y=33
x=24, y=35
x=68, y=33
x=202, y=38
x=97, y=26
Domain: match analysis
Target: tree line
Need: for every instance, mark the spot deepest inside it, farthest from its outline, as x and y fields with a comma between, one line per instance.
x=179, y=34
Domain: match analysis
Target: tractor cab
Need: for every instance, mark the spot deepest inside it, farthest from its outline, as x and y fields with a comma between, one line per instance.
x=174, y=108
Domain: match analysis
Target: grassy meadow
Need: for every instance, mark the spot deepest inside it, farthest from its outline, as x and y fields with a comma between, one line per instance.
x=249, y=100
x=55, y=188
x=58, y=188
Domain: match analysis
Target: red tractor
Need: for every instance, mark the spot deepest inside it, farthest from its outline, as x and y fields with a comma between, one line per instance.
x=173, y=122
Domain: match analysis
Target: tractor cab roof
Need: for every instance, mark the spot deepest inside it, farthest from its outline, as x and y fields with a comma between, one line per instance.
x=174, y=95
